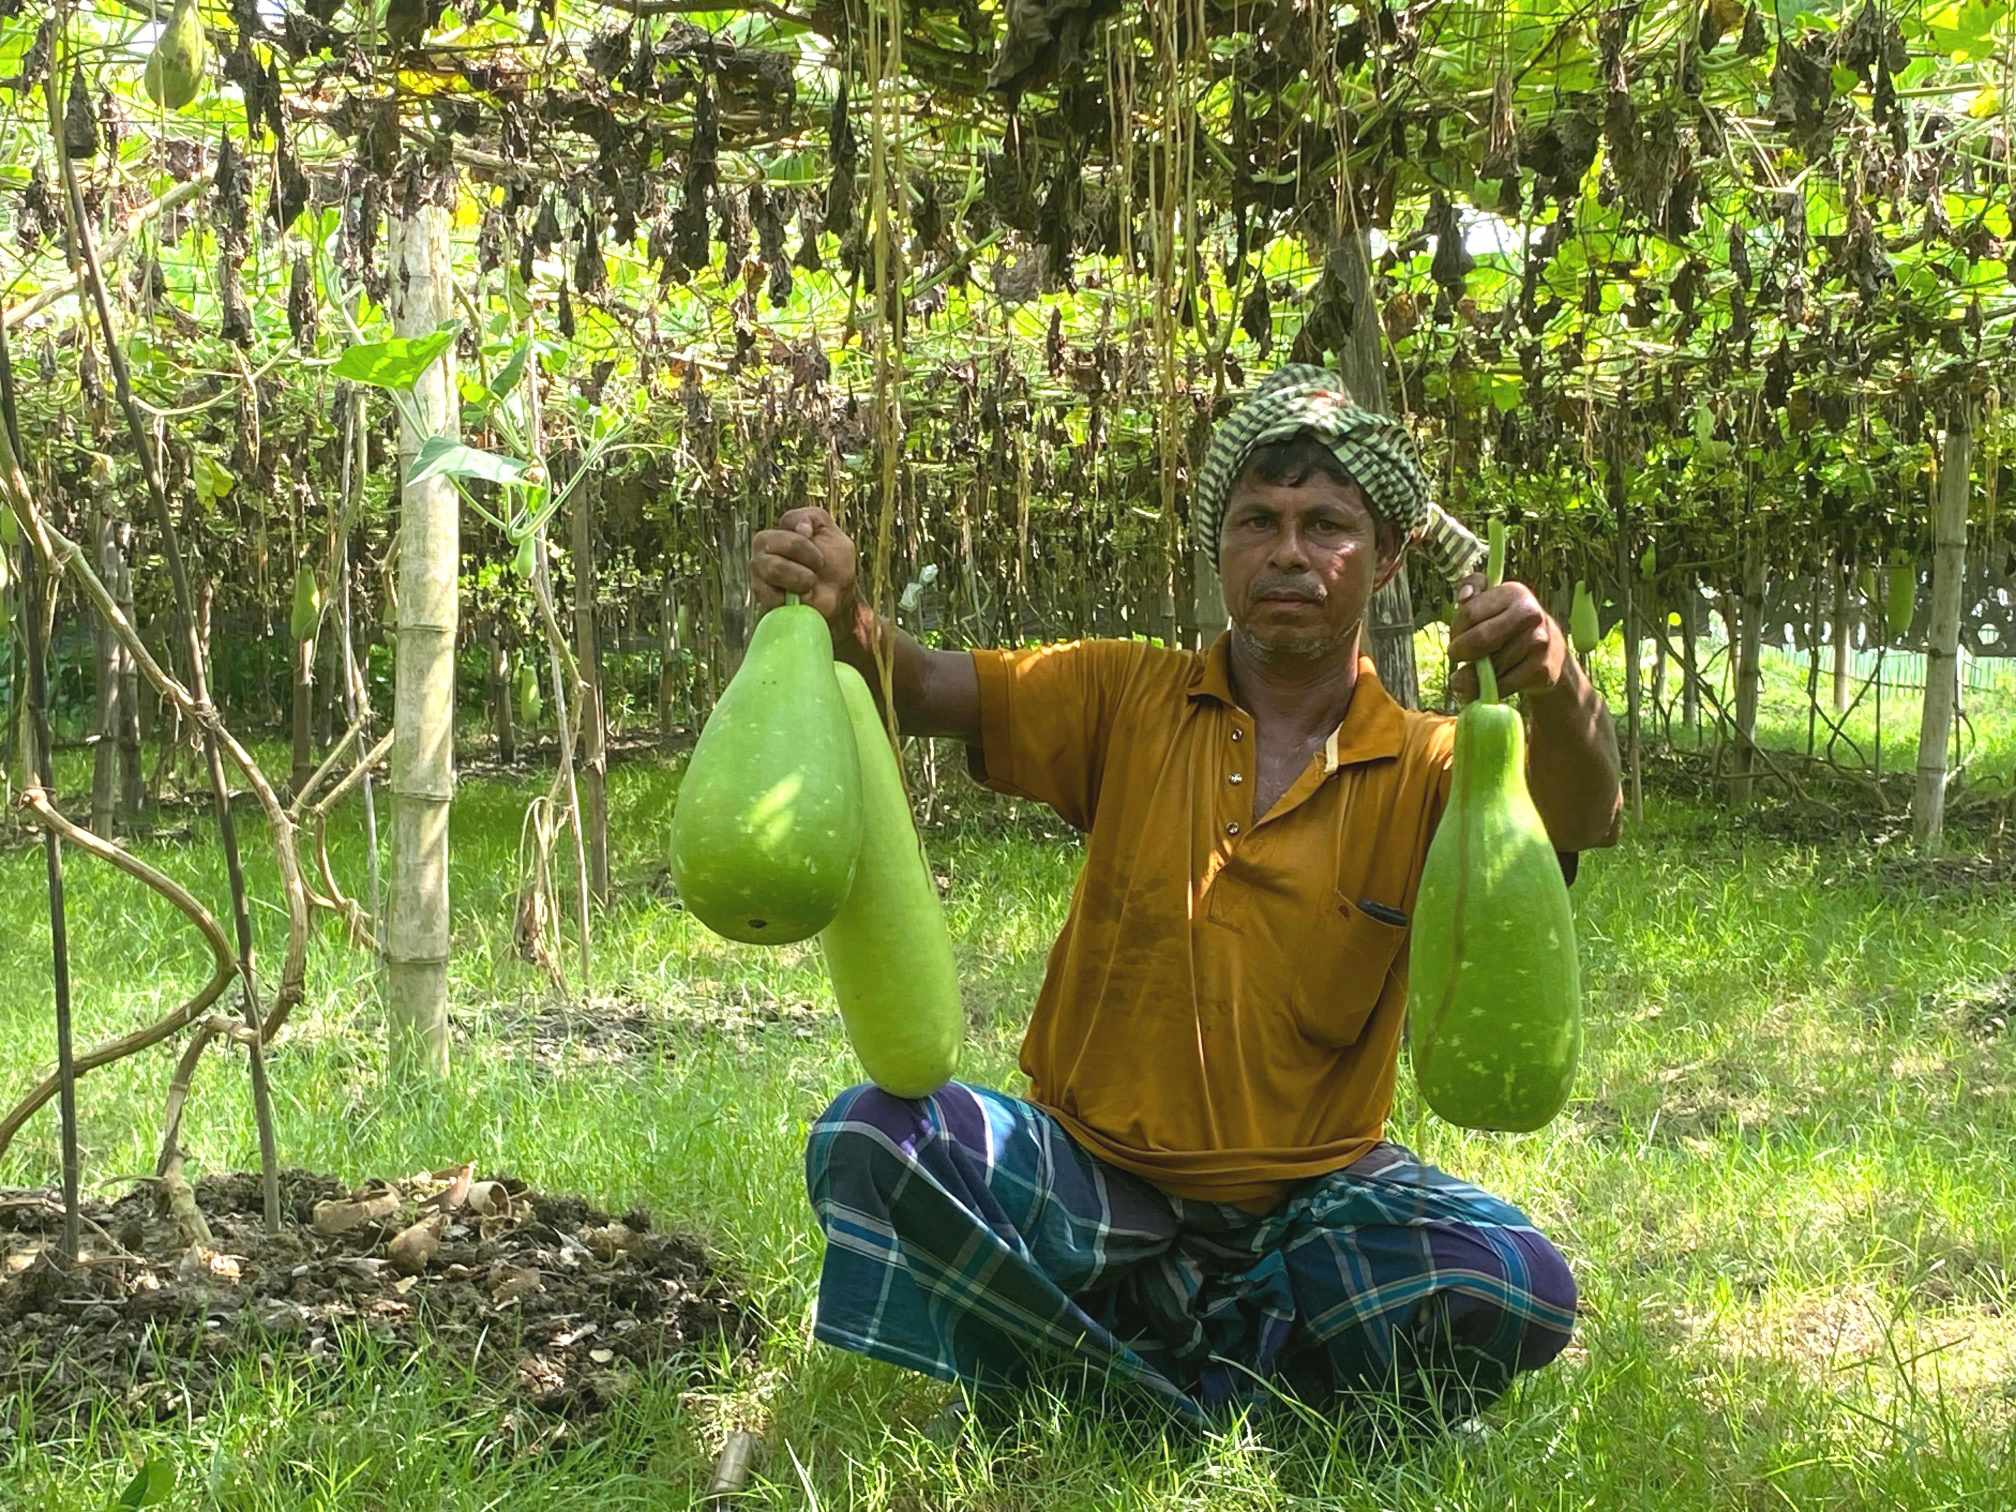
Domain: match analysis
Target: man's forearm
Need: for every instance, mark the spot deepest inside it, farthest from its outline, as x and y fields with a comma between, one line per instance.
x=1573, y=768
x=917, y=674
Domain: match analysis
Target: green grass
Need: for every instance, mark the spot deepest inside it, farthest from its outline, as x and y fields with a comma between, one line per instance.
x=1785, y=1185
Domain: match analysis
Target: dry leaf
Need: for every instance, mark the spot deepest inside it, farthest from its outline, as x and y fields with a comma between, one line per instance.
x=414, y=1246
x=340, y=1215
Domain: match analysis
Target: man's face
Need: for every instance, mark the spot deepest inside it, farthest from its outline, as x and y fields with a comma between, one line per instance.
x=1300, y=562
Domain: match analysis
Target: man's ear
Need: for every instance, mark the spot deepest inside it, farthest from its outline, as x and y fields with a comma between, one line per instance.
x=1389, y=567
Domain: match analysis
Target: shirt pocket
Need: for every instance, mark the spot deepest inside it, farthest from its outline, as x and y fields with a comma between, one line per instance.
x=1342, y=970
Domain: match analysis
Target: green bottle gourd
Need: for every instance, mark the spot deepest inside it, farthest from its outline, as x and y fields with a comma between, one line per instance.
x=307, y=613
x=887, y=949
x=531, y=702
x=1648, y=564
x=767, y=827
x=1582, y=628
x=1900, y=596
x=175, y=67
x=1494, y=992
x=1865, y=580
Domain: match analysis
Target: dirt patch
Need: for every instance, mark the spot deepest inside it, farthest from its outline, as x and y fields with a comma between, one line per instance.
x=560, y=1033
x=545, y=1298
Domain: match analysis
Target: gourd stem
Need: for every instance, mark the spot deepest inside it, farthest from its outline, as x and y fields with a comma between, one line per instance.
x=1494, y=574
x=790, y=599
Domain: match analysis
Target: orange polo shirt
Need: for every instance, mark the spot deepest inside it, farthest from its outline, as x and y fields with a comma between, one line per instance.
x=1222, y=1011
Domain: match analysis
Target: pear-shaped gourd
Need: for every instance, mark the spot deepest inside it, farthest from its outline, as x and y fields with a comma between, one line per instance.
x=175, y=66
x=1648, y=564
x=1494, y=995
x=887, y=949
x=531, y=702
x=767, y=826
x=1900, y=596
x=307, y=604
x=1582, y=627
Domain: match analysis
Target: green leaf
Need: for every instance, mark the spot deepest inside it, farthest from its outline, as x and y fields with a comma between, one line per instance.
x=514, y=369
x=398, y=363
x=150, y=1487
x=445, y=457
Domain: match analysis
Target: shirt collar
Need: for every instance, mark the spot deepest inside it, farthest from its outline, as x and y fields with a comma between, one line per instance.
x=1374, y=727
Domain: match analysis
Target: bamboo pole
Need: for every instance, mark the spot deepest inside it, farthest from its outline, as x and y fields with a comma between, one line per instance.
x=1942, y=663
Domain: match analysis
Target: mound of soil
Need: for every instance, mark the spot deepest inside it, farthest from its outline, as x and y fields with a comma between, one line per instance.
x=546, y=1298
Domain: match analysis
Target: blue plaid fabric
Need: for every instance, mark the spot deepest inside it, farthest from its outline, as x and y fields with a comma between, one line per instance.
x=968, y=1237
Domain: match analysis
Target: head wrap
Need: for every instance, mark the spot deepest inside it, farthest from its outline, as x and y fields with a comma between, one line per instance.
x=1374, y=449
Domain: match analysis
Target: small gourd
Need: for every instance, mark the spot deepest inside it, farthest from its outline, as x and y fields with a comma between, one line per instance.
x=1648, y=564
x=1865, y=580
x=307, y=614
x=767, y=826
x=1900, y=596
x=531, y=702
x=887, y=950
x=175, y=67
x=1494, y=982
x=1582, y=628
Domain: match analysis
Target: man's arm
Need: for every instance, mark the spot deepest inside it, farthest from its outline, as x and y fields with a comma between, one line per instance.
x=1572, y=768
x=936, y=692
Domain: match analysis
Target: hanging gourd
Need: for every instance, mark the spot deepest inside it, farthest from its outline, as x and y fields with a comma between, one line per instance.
x=1582, y=628
x=767, y=826
x=1494, y=994
x=175, y=67
x=887, y=950
x=307, y=614
x=531, y=702
x=1900, y=595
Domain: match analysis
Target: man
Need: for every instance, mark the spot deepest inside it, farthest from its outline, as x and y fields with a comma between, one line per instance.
x=1196, y=1197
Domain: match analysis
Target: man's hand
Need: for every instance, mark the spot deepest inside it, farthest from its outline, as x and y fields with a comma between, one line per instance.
x=1527, y=649
x=807, y=554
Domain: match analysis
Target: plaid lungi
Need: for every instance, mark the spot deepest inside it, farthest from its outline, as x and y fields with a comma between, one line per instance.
x=968, y=1237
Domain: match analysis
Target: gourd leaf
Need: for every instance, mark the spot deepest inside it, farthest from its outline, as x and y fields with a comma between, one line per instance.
x=149, y=1488
x=397, y=363
x=445, y=457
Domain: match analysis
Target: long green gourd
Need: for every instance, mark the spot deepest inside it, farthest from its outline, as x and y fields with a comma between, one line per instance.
x=1494, y=990
x=1901, y=591
x=887, y=950
x=767, y=826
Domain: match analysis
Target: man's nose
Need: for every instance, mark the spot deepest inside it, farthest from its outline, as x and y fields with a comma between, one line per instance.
x=1290, y=550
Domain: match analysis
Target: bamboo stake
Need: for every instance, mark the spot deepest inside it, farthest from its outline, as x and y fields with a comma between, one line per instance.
x=44, y=779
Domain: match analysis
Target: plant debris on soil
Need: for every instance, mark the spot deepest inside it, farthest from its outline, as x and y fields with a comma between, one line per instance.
x=545, y=1298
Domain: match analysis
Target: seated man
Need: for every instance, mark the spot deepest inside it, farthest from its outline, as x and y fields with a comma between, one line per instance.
x=1196, y=1195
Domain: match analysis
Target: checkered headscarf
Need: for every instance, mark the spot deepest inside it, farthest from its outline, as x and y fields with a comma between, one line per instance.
x=1375, y=449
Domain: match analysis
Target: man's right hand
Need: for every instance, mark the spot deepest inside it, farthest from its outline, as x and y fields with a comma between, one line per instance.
x=807, y=554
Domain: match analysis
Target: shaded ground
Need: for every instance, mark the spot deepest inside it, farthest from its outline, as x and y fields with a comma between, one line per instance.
x=543, y=1298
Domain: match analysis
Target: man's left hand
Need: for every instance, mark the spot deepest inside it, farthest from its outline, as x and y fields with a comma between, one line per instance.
x=1527, y=649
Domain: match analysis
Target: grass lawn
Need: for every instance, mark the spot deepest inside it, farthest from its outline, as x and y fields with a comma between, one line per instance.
x=1785, y=1184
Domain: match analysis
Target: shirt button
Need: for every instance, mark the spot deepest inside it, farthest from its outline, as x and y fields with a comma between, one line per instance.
x=1232, y=828
x=1236, y=735
x=1236, y=778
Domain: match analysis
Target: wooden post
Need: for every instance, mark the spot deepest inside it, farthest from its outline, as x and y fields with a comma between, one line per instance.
x=1389, y=623
x=1844, y=635
x=105, y=755
x=1942, y=663
x=588, y=667
x=132, y=776
x=1690, y=692
x=1749, y=671
x=423, y=703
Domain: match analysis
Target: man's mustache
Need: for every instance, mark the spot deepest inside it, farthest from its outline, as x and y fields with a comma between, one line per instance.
x=1296, y=588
